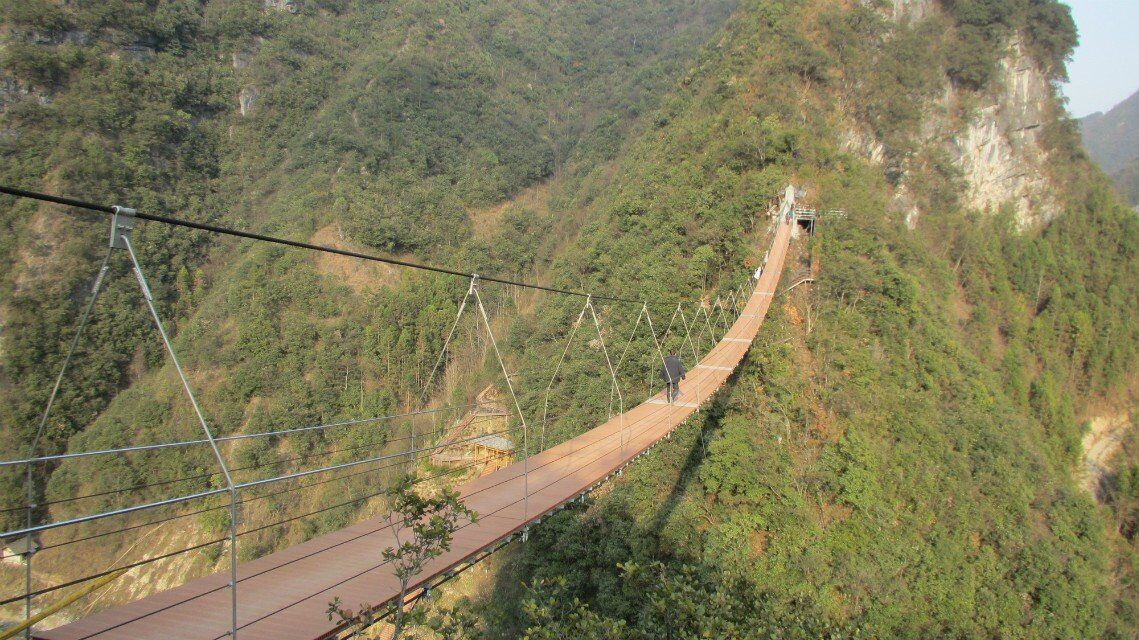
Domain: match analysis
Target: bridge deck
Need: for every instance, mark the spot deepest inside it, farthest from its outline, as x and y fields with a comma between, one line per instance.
x=284, y=595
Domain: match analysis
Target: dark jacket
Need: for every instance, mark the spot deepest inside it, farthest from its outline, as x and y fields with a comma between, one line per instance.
x=672, y=370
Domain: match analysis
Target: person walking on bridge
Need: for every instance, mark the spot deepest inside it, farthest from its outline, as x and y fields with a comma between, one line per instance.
x=673, y=372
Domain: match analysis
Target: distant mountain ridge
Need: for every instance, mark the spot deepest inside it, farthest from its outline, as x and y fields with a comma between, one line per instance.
x=1112, y=140
x=1127, y=182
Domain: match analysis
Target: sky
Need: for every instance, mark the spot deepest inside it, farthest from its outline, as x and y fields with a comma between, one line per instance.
x=1105, y=68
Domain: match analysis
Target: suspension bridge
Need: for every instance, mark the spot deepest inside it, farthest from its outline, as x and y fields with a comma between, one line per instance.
x=285, y=595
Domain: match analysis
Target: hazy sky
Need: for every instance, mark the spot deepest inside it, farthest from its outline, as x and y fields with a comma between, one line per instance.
x=1105, y=68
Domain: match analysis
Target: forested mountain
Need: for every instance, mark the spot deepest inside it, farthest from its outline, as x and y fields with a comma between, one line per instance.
x=1126, y=181
x=380, y=125
x=898, y=456
x=1112, y=140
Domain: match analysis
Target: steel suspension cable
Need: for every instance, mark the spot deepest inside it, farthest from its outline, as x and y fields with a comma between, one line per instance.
x=213, y=492
x=369, y=496
x=667, y=329
x=431, y=378
x=200, y=226
x=707, y=325
x=95, y=576
x=354, y=463
x=439, y=361
x=656, y=343
x=723, y=317
x=659, y=350
x=232, y=486
x=554, y=376
x=621, y=359
x=204, y=476
x=687, y=333
x=632, y=335
x=509, y=385
x=340, y=582
x=326, y=587
x=612, y=372
x=72, y=583
x=246, y=500
x=164, y=556
x=233, y=499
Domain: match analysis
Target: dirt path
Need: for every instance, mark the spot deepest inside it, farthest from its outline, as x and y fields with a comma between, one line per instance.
x=1100, y=443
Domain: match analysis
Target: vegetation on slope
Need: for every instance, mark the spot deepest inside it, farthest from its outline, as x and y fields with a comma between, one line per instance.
x=1112, y=138
x=1121, y=493
x=383, y=122
x=900, y=469
x=900, y=464
x=1126, y=182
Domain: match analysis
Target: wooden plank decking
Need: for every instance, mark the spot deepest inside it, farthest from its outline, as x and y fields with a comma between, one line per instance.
x=284, y=595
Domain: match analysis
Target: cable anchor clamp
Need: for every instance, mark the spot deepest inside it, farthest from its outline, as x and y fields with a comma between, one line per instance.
x=121, y=225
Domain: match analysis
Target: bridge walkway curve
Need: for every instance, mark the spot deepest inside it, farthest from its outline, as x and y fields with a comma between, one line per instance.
x=285, y=595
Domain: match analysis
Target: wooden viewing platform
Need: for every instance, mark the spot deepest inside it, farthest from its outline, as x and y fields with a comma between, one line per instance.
x=285, y=595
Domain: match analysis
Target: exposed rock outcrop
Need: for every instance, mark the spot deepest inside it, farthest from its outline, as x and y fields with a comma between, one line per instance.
x=911, y=10
x=998, y=150
x=1103, y=438
x=246, y=98
x=996, y=146
x=291, y=6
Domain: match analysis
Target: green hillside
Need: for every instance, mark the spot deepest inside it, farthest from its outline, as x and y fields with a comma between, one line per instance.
x=1126, y=182
x=448, y=108
x=897, y=456
x=1112, y=138
x=389, y=123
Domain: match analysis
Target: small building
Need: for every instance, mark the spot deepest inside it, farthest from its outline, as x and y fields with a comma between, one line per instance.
x=495, y=450
x=476, y=441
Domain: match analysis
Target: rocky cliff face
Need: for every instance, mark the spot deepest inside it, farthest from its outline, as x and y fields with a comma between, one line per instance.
x=998, y=148
x=992, y=138
x=911, y=10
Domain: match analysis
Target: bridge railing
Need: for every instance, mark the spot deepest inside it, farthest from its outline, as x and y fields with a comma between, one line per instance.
x=225, y=494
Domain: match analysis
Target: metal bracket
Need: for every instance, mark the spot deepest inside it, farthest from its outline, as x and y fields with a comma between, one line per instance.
x=121, y=225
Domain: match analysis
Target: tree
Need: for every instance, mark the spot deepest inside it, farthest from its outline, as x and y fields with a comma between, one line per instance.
x=423, y=527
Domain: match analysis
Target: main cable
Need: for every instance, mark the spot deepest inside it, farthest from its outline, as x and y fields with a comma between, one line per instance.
x=201, y=226
x=309, y=246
